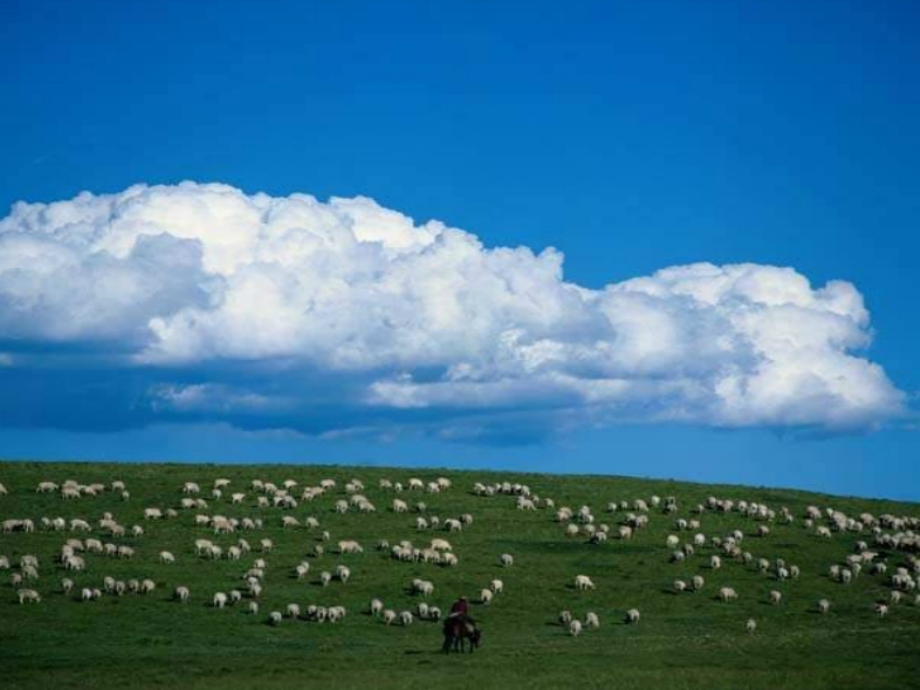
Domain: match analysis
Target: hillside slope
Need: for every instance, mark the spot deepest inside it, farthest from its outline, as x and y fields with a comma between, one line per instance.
x=685, y=640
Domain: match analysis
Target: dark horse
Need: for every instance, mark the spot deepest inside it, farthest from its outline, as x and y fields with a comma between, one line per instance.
x=457, y=631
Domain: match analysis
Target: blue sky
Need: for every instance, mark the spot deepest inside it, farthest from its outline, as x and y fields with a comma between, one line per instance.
x=631, y=137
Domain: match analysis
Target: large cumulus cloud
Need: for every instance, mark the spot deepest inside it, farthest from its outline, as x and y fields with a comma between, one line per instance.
x=198, y=301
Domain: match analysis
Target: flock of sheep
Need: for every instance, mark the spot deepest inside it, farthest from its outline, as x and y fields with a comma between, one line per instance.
x=880, y=543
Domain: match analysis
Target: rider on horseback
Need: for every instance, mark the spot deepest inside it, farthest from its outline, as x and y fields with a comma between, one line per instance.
x=458, y=611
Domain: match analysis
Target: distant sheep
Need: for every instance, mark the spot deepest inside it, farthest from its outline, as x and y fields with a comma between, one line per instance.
x=727, y=594
x=632, y=616
x=583, y=582
x=507, y=560
x=592, y=620
x=574, y=628
x=28, y=595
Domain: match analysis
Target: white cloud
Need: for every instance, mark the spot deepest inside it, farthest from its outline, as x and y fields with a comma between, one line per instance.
x=397, y=316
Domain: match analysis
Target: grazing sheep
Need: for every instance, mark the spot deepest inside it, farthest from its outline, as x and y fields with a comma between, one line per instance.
x=632, y=616
x=325, y=578
x=376, y=607
x=342, y=573
x=405, y=617
x=389, y=616
x=66, y=585
x=507, y=560
x=181, y=594
x=423, y=587
x=727, y=594
x=147, y=586
x=274, y=618
x=485, y=596
x=574, y=628
x=350, y=546
x=220, y=600
x=583, y=582
x=680, y=585
x=236, y=596
x=254, y=607
x=751, y=625
x=167, y=557
x=715, y=562
x=497, y=586
x=894, y=597
x=591, y=620
x=293, y=611
x=698, y=582
x=824, y=606
x=881, y=609
x=267, y=545
x=29, y=595
x=775, y=596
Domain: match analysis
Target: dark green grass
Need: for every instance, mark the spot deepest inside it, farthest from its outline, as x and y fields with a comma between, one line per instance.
x=683, y=641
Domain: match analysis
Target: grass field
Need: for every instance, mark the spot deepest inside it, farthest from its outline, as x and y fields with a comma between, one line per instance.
x=686, y=640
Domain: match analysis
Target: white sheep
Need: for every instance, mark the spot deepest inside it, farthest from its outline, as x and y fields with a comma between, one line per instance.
x=325, y=578
x=389, y=616
x=405, y=617
x=591, y=620
x=507, y=560
x=727, y=594
x=167, y=557
x=181, y=594
x=583, y=582
x=698, y=583
x=220, y=600
x=274, y=618
x=574, y=628
x=632, y=616
x=253, y=607
x=497, y=586
x=342, y=573
x=485, y=596
x=680, y=586
x=751, y=625
x=776, y=597
x=29, y=595
x=881, y=609
x=293, y=610
x=376, y=607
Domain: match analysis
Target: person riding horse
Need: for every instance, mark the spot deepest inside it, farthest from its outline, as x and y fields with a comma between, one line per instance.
x=459, y=626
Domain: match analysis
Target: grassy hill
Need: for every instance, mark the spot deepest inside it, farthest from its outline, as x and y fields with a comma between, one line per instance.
x=687, y=640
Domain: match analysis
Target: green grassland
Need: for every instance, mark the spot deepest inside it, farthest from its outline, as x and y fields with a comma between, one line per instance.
x=687, y=640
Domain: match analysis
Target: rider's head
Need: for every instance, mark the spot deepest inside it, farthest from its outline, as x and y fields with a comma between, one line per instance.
x=462, y=598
